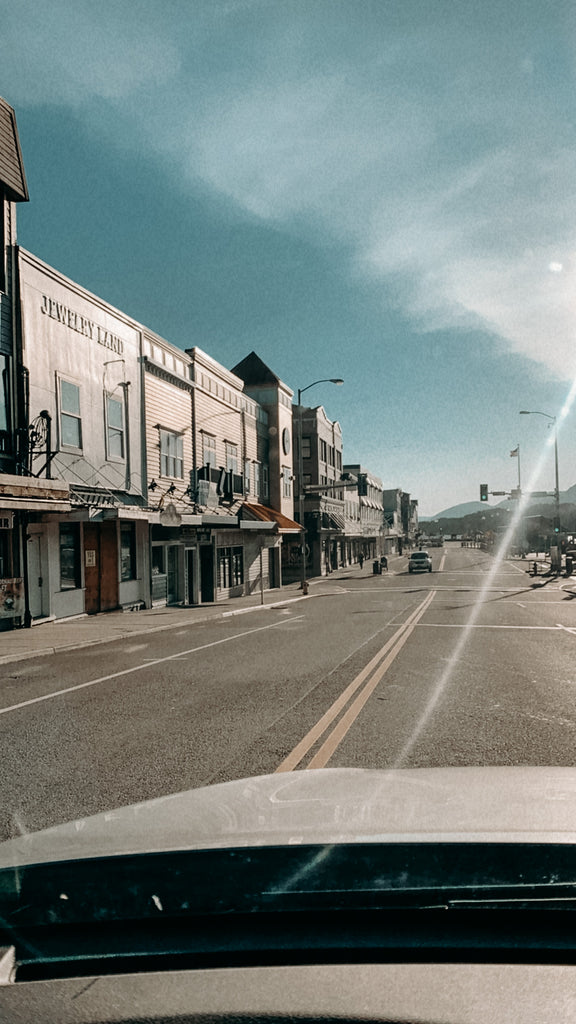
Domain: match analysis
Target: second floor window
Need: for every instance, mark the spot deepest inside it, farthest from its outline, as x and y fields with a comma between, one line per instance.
x=232, y=457
x=257, y=479
x=171, y=454
x=306, y=448
x=70, y=419
x=114, y=428
x=323, y=451
x=286, y=482
x=208, y=450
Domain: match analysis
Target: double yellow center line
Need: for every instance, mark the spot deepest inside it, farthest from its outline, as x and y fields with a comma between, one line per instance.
x=370, y=676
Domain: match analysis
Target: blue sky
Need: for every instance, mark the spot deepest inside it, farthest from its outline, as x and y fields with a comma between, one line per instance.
x=379, y=191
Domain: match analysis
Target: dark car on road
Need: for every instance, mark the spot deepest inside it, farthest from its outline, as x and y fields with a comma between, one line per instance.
x=420, y=561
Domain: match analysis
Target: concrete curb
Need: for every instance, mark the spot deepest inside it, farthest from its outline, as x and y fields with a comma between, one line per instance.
x=325, y=585
x=6, y=659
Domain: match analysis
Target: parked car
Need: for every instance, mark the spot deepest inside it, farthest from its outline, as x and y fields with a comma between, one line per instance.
x=419, y=561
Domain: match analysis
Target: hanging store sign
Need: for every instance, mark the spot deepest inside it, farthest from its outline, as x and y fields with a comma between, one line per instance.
x=170, y=517
x=11, y=598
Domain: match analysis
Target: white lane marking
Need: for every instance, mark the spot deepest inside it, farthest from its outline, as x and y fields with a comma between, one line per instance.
x=465, y=625
x=566, y=629
x=136, y=668
x=378, y=664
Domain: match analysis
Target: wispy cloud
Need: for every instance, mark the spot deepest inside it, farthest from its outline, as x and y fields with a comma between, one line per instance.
x=433, y=140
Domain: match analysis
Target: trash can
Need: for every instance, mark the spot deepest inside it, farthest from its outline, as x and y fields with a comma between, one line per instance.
x=376, y=567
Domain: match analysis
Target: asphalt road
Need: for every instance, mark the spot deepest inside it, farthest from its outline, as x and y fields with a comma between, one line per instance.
x=471, y=664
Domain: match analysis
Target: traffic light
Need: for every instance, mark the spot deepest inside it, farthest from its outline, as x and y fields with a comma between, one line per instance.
x=362, y=484
x=483, y=492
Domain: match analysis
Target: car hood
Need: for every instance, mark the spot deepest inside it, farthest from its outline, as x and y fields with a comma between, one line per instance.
x=327, y=806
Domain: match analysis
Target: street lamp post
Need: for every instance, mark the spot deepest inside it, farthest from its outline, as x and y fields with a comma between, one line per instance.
x=534, y=412
x=323, y=380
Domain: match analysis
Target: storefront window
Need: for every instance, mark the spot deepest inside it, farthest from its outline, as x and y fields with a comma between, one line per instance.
x=70, y=571
x=128, y=551
x=158, y=561
x=230, y=567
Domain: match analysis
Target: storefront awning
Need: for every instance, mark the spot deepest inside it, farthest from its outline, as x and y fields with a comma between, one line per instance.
x=33, y=504
x=263, y=514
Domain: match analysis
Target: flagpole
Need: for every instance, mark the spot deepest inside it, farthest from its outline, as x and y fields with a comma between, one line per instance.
x=519, y=484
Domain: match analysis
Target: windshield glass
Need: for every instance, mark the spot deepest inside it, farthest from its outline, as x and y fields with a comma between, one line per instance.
x=287, y=380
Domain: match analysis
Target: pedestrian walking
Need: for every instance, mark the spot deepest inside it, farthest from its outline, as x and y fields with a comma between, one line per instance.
x=361, y=559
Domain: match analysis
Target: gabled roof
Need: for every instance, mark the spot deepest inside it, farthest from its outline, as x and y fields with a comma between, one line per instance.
x=253, y=371
x=12, y=177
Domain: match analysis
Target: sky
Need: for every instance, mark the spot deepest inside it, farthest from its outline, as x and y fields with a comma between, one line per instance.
x=378, y=190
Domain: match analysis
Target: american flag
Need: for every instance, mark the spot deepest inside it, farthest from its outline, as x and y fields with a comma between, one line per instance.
x=514, y=452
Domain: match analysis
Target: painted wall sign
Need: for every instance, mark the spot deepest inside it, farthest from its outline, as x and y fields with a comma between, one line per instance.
x=81, y=324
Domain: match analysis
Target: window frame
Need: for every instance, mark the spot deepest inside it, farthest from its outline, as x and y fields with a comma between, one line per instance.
x=171, y=459
x=230, y=567
x=132, y=572
x=113, y=429
x=76, y=416
x=73, y=531
x=209, y=457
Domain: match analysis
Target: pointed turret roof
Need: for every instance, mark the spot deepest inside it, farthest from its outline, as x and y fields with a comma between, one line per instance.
x=254, y=372
x=12, y=176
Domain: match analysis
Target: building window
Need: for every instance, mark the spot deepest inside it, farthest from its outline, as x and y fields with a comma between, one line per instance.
x=323, y=451
x=70, y=419
x=230, y=567
x=114, y=428
x=286, y=482
x=5, y=432
x=158, y=560
x=70, y=567
x=171, y=454
x=128, y=551
x=247, y=476
x=257, y=479
x=209, y=450
x=306, y=448
x=232, y=458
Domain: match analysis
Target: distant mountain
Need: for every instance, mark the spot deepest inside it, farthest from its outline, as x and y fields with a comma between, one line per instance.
x=469, y=507
x=457, y=511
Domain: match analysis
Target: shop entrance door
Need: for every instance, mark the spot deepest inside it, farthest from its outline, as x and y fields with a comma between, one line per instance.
x=100, y=567
x=173, y=595
x=35, y=580
x=207, y=573
x=189, y=575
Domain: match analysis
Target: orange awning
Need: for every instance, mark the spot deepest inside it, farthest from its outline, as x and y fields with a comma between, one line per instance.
x=263, y=514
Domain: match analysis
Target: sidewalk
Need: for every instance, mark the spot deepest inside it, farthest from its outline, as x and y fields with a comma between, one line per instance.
x=90, y=630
